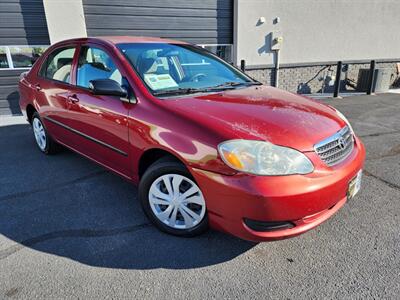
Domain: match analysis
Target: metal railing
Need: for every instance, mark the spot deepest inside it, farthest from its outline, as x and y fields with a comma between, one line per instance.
x=340, y=83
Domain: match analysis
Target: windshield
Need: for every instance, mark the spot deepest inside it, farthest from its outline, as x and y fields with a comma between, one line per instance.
x=175, y=68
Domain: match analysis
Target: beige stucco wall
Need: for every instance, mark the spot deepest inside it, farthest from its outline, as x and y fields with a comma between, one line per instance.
x=318, y=30
x=65, y=19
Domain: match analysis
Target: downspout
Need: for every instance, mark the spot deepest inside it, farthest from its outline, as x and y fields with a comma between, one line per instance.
x=277, y=63
x=276, y=45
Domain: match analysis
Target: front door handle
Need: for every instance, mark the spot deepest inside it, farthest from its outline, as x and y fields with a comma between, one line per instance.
x=37, y=87
x=73, y=98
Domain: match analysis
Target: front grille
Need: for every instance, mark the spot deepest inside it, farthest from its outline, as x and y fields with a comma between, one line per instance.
x=336, y=148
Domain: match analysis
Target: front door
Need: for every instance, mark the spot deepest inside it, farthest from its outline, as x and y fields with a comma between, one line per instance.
x=100, y=123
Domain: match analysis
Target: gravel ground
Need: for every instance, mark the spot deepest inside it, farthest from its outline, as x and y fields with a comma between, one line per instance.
x=70, y=229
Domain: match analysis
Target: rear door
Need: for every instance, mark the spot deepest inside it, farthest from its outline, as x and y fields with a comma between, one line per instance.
x=100, y=123
x=51, y=88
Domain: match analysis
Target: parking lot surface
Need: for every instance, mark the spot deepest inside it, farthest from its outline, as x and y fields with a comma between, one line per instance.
x=71, y=229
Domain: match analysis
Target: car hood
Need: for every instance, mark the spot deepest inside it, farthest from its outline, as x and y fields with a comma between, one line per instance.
x=262, y=113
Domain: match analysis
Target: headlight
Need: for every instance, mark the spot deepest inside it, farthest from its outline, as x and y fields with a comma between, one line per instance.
x=344, y=119
x=264, y=158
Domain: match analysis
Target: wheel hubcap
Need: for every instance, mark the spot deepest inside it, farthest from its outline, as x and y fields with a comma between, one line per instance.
x=40, y=134
x=177, y=201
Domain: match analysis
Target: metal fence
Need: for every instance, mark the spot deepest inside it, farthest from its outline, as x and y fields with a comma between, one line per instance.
x=330, y=79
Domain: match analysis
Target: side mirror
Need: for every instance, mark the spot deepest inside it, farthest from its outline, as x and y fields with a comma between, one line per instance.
x=107, y=87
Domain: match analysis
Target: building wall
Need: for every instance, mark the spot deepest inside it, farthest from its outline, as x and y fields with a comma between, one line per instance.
x=317, y=31
x=9, y=96
x=65, y=19
x=23, y=22
x=200, y=22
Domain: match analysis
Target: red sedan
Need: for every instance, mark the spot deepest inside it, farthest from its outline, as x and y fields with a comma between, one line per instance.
x=208, y=145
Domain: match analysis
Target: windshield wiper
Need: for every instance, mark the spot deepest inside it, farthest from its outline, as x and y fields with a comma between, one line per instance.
x=179, y=91
x=230, y=84
x=223, y=86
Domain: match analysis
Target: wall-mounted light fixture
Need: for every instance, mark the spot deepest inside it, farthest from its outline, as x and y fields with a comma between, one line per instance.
x=276, y=20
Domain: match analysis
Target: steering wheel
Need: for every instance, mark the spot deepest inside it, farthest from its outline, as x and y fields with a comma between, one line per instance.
x=197, y=77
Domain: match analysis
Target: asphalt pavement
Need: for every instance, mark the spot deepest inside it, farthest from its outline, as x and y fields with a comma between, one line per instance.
x=71, y=229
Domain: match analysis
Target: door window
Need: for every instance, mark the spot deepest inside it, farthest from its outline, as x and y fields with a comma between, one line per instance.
x=95, y=63
x=58, y=65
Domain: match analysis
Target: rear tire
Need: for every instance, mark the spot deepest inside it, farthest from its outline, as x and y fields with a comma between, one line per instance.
x=172, y=200
x=43, y=140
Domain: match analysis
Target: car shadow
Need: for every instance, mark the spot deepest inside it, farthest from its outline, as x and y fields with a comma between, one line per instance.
x=13, y=103
x=67, y=206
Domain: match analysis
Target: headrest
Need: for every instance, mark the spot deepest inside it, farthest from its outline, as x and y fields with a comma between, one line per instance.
x=63, y=61
x=145, y=64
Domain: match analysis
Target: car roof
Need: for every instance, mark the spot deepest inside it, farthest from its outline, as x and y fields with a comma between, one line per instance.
x=124, y=39
x=138, y=39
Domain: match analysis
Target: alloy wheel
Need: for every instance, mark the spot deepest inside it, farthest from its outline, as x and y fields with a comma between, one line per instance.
x=40, y=134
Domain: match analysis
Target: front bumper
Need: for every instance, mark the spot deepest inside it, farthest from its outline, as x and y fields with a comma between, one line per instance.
x=304, y=200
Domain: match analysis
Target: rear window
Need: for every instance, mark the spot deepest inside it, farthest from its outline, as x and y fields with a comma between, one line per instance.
x=58, y=65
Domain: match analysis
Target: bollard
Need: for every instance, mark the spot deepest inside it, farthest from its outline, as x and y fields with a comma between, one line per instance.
x=337, y=80
x=243, y=65
x=371, y=78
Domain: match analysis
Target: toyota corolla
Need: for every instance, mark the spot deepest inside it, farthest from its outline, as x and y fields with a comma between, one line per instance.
x=207, y=145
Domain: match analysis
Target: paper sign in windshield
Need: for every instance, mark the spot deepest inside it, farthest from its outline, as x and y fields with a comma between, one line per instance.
x=160, y=82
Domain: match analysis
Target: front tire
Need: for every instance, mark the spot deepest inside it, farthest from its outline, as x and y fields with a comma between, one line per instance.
x=43, y=140
x=172, y=200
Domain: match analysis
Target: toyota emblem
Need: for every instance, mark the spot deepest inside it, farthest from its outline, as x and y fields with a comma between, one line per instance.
x=342, y=143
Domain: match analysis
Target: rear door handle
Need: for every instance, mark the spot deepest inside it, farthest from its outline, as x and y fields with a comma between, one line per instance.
x=37, y=87
x=73, y=98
